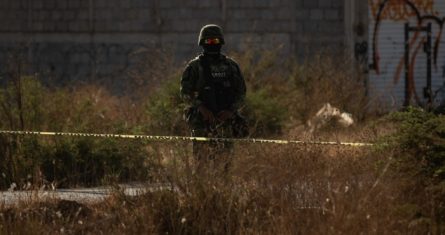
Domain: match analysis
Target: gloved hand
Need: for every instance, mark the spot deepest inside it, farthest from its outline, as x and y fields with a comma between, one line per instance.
x=224, y=115
x=206, y=114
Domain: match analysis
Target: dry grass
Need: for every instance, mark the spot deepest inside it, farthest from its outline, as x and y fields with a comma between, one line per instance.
x=270, y=189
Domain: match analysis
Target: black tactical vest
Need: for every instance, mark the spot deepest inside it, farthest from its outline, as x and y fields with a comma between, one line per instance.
x=216, y=83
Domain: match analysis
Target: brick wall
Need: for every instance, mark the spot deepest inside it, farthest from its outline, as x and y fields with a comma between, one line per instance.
x=76, y=39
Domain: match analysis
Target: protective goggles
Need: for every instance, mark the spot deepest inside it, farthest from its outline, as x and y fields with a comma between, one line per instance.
x=212, y=41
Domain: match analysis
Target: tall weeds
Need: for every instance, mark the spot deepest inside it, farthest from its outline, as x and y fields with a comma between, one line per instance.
x=273, y=104
x=269, y=189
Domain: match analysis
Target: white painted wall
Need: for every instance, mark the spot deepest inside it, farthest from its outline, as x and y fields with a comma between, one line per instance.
x=386, y=85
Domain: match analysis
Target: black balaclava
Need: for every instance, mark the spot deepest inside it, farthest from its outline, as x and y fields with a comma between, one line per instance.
x=212, y=50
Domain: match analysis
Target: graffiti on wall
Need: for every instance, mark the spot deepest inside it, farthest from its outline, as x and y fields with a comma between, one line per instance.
x=398, y=10
x=423, y=13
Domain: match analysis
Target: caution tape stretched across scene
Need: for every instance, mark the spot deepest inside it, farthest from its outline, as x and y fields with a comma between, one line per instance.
x=183, y=138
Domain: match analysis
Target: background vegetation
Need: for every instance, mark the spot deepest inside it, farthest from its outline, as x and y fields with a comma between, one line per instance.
x=396, y=187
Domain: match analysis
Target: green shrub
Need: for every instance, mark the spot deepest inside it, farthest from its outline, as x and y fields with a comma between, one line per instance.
x=165, y=110
x=21, y=104
x=265, y=113
x=66, y=161
x=421, y=134
x=419, y=143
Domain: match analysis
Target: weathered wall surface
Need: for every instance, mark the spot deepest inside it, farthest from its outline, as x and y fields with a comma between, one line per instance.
x=95, y=39
x=393, y=80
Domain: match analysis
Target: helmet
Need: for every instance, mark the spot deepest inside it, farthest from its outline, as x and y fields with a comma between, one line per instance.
x=210, y=31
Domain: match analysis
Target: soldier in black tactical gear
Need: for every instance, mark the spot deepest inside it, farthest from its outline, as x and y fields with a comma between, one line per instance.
x=214, y=89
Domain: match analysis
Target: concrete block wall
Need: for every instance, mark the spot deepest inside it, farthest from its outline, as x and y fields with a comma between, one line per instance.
x=89, y=39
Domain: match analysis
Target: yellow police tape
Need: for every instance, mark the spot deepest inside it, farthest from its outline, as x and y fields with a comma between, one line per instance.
x=183, y=138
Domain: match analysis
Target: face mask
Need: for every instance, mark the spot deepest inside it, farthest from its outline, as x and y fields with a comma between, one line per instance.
x=212, y=49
